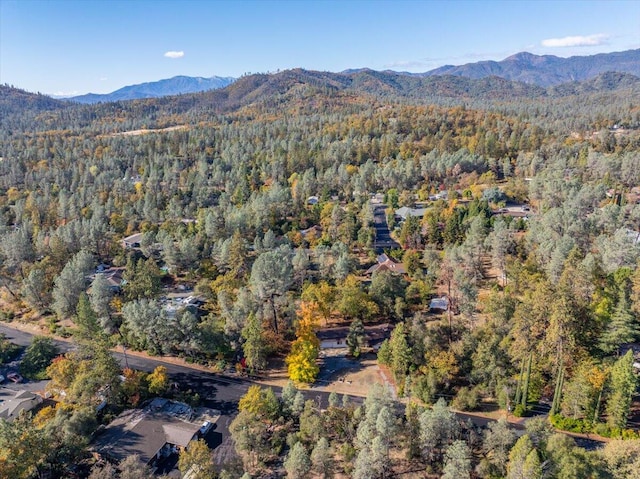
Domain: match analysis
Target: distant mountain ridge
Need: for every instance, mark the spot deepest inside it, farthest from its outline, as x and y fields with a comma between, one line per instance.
x=546, y=70
x=171, y=86
x=536, y=70
x=305, y=87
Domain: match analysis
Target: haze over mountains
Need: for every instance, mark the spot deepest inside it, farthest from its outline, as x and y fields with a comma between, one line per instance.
x=171, y=86
x=313, y=87
x=547, y=70
x=534, y=70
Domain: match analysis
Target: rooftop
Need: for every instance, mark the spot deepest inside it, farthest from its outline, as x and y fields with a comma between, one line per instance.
x=12, y=402
x=374, y=333
x=385, y=262
x=145, y=431
x=405, y=212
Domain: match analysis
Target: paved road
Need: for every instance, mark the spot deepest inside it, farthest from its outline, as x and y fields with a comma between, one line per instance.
x=217, y=391
x=383, y=235
x=223, y=393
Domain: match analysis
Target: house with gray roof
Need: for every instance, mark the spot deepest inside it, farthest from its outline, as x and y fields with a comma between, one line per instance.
x=162, y=428
x=132, y=241
x=12, y=403
x=406, y=212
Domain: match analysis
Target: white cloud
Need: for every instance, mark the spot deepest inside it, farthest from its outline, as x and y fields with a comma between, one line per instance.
x=172, y=54
x=576, y=41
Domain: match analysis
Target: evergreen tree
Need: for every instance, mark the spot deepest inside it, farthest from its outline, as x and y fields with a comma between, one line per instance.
x=88, y=327
x=621, y=329
x=288, y=396
x=322, y=459
x=70, y=283
x=356, y=338
x=254, y=346
x=523, y=460
x=438, y=429
x=100, y=296
x=297, y=464
x=498, y=440
x=400, y=352
x=34, y=289
x=457, y=462
x=37, y=357
x=623, y=385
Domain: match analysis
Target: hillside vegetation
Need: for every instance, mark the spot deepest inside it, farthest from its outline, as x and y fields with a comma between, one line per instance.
x=260, y=207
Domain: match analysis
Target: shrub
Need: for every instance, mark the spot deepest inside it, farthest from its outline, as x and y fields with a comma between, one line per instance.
x=8, y=350
x=519, y=411
x=423, y=388
x=605, y=430
x=37, y=358
x=570, y=424
x=466, y=399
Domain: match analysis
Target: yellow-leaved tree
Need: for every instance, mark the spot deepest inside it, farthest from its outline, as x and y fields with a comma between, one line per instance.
x=301, y=361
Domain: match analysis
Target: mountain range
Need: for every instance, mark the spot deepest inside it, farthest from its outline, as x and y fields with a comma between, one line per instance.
x=535, y=70
x=546, y=70
x=172, y=86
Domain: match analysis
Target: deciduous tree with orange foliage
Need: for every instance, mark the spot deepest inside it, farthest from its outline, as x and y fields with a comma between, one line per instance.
x=301, y=361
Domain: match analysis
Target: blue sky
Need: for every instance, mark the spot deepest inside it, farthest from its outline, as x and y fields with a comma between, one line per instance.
x=75, y=47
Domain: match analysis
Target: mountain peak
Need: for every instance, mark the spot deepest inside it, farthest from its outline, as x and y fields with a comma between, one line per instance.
x=547, y=70
x=522, y=56
x=176, y=85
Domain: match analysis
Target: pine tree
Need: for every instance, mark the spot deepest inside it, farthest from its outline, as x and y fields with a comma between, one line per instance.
x=322, y=459
x=288, y=396
x=517, y=467
x=88, y=327
x=623, y=385
x=457, y=462
x=254, y=346
x=621, y=329
x=400, y=352
x=355, y=338
x=297, y=464
x=498, y=440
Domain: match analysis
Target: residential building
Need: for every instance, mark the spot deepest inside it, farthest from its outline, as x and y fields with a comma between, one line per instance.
x=406, y=212
x=386, y=263
x=132, y=241
x=12, y=403
x=336, y=337
x=162, y=428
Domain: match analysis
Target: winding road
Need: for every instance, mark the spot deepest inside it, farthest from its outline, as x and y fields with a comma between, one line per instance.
x=217, y=391
x=223, y=392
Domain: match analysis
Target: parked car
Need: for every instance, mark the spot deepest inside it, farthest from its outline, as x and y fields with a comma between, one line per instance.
x=15, y=377
x=206, y=426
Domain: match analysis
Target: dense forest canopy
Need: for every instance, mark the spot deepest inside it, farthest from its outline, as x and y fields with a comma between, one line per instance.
x=259, y=196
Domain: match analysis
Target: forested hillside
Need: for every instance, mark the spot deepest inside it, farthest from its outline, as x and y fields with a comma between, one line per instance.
x=260, y=200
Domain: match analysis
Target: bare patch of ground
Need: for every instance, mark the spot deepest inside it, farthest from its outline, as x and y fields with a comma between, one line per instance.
x=145, y=131
x=338, y=373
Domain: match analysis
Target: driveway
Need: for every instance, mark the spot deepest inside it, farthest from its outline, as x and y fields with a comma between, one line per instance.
x=383, y=238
